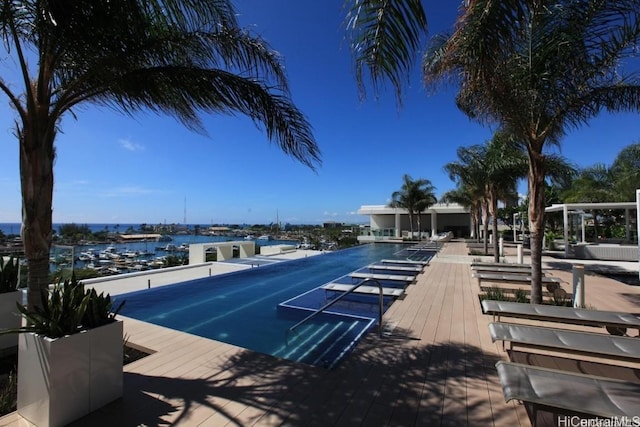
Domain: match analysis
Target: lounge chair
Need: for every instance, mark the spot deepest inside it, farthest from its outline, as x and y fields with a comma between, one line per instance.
x=513, y=278
x=370, y=290
x=405, y=261
x=410, y=269
x=564, y=392
x=567, y=341
x=500, y=264
x=397, y=277
x=615, y=322
x=503, y=269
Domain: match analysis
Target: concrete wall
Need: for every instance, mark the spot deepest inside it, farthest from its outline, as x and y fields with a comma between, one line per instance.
x=197, y=251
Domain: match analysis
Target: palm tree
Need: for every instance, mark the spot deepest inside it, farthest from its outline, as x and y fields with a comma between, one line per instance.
x=179, y=58
x=468, y=196
x=594, y=184
x=414, y=196
x=493, y=168
x=385, y=37
x=538, y=69
x=468, y=174
x=626, y=172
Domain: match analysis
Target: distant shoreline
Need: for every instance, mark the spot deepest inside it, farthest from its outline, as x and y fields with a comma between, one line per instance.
x=14, y=227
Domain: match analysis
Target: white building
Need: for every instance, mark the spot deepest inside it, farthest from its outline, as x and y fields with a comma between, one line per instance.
x=387, y=223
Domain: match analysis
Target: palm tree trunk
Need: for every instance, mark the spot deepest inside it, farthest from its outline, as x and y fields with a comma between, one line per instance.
x=36, y=176
x=536, y=221
x=493, y=205
x=410, y=225
x=485, y=226
x=595, y=226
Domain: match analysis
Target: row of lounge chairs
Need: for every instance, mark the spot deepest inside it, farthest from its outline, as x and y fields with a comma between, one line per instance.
x=561, y=391
x=491, y=276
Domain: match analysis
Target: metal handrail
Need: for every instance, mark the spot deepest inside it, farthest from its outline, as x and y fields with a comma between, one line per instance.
x=326, y=306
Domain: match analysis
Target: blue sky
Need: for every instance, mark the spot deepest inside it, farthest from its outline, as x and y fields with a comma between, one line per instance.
x=116, y=169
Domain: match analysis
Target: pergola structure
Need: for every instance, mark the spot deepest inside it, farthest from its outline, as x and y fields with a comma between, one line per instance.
x=567, y=208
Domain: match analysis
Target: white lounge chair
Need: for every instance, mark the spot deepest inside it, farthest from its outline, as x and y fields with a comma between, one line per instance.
x=567, y=341
x=410, y=269
x=513, y=278
x=551, y=389
x=612, y=320
x=370, y=290
x=395, y=277
x=503, y=269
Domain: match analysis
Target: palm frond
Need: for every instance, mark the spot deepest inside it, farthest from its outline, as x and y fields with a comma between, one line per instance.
x=385, y=37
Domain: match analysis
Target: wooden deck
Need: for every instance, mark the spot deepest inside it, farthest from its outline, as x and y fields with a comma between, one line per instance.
x=434, y=367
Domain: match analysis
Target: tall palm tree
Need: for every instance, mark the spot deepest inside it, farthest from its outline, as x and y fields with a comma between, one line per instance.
x=415, y=196
x=468, y=174
x=538, y=69
x=469, y=197
x=179, y=58
x=494, y=169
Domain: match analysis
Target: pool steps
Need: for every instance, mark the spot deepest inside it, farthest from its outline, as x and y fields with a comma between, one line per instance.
x=326, y=341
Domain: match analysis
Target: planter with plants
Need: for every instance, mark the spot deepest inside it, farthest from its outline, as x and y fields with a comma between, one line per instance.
x=69, y=355
x=9, y=297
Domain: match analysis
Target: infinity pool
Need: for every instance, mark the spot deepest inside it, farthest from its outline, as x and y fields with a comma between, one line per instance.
x=241, y=308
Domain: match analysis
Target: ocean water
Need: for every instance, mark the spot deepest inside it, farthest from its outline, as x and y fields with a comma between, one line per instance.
x=14, y=227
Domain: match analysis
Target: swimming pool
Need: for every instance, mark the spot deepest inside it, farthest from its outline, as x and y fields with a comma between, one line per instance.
x=241, y=308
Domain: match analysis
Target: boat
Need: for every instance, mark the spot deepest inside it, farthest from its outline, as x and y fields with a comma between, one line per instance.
x=170, y=247
x=130, y=254
x=265, y=237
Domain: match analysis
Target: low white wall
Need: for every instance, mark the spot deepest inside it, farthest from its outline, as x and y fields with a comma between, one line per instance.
x=276, y=249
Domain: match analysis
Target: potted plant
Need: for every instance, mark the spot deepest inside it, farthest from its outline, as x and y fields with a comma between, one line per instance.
x=9, y=297
x=69, y=355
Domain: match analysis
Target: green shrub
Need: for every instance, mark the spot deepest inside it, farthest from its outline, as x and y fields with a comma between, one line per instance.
x=561, y=298
x=8, y=392
x=496, y=294
x=67, y=309
x=9, y=274
x=521, y=296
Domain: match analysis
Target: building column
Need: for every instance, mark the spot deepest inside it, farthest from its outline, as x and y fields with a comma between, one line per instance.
x=626, y=225
x=565, y=233
x=397, y=232
x=434, y=223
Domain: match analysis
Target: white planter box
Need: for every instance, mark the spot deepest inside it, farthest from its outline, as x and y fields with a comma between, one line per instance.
x=9, y=318
x=63, y=379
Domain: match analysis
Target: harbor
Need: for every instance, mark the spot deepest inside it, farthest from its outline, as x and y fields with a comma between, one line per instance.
x=136, y=255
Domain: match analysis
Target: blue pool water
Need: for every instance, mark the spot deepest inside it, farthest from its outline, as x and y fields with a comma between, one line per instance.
x=241, y=308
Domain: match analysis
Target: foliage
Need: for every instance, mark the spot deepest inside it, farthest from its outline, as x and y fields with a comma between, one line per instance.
x=538, y=69
x=175, y=260
x=9, y=392
x=415, y=196
x=67, y=273
x=384, y=38
x=67, y=309
x=495, y=294
x=74, y=232
x=9, y=274
x=561, y=298
x=521, y=296
x=180, y=58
